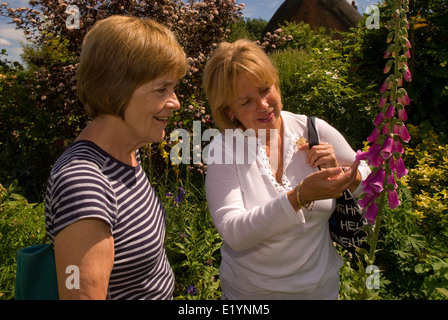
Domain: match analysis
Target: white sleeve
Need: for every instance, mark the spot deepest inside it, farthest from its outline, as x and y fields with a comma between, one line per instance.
x=344, y=152
x=240, y=228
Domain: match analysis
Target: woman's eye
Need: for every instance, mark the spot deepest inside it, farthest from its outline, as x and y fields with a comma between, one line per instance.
x=266, y=90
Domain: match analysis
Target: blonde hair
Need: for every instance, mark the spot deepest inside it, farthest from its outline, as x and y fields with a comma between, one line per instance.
x=229, y=62
x=118, y=55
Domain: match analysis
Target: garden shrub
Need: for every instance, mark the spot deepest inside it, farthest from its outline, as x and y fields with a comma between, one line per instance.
x=429, y=186
x=21, y=225
x=316, y=80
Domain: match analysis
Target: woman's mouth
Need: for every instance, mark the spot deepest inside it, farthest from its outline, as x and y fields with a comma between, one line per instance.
x=162, y=119
x=267, y=119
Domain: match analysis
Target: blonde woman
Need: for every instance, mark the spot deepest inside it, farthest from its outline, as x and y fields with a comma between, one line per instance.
x=272, y=212
x=102, y=215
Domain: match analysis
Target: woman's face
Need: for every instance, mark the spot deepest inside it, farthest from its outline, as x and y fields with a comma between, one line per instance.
x=256, y=107
x=149, y=108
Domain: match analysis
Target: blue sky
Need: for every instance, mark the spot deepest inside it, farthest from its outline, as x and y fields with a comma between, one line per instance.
x=10, y=37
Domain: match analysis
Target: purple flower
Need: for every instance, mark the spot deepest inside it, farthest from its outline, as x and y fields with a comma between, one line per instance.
x=391, y=181
x=382, y=102
x=392, y=198
x=404, y=100
x=407, y=53
x=402, y=115
x=181, y=196
x=372, y=211
x=372, y=156
x=386, y=151
x=377, y=181
x=402, y=132
x=407, y=75
x=400, y=168
x=379, y=119
x=192, y=290
x=374, y=135
x=390, y=112
x=366, y=200
x=397, y=148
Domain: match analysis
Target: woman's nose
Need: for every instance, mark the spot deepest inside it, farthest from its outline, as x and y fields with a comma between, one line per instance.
x=174, y=103
x=263, y=104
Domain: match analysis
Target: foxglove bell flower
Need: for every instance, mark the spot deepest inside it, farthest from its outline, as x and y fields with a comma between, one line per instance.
x=400, y=168
x=407, y=75
x=402, y=115
x=372, y=212
x=374, y=135
x=392, y=198
x=402, y=132
x=390, y=112
x=387, y=150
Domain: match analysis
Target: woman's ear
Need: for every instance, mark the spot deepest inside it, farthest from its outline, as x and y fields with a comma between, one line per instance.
x=230, y=114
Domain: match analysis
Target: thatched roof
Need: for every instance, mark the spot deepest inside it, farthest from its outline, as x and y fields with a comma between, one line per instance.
x=331, y=14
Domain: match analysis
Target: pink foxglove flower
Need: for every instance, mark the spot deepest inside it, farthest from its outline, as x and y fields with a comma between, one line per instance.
x=402, y=132
x=372, y=212
x=392, y=198
x=374, y=135
x=390, y=112
x=402, y=115
x=382, y=102
x=385, y=153
x=400, y=168
x=407, y=75
x=387, y=149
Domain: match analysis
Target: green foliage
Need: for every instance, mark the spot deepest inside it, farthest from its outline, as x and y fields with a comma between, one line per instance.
x=32, y=134
x=21, y=225
x=429, y=90
x=192, y=242
x=193, y=245
x=53, y=51
x=246, y=28
x=427, y=182
x=316, y=78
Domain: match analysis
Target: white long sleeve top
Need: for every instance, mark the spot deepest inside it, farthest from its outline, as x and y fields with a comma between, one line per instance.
x=268, y=247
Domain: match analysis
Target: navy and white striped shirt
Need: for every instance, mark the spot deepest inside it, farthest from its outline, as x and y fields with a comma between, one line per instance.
x=86, y=182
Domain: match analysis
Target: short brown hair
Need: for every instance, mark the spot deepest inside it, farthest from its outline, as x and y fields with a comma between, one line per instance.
x=228, y=63
x=119, y=54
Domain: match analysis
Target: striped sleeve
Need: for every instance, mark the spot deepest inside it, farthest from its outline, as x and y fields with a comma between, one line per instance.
x=76, y=192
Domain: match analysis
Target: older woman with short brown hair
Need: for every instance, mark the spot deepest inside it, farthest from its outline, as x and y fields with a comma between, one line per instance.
x=102, y=215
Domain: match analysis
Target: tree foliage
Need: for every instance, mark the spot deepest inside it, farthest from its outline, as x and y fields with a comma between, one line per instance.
x=46, y=112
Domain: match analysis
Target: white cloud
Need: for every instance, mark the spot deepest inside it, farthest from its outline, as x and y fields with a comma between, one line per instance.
x=9, y=32
x=10, y=39
x=4, y=42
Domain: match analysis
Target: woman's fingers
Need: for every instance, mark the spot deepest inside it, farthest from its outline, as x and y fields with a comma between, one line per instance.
x=330, y=182
x=322, y=155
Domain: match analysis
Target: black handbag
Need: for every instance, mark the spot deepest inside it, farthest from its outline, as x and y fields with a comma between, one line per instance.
x=347, y=220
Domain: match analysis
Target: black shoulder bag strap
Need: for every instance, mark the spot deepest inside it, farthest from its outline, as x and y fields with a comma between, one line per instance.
x=313, y=137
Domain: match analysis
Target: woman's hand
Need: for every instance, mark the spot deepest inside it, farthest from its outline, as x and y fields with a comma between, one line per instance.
x=328, y=183
x=325, y=184
x=321, y=155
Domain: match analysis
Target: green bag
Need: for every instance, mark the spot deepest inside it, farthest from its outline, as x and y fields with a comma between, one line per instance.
x=36, y=274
